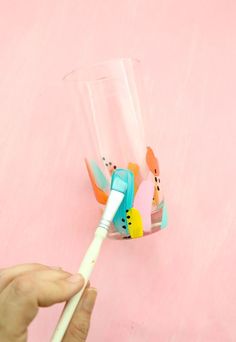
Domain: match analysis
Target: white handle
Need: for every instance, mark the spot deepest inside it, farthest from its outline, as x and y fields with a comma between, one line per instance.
x=88, y=263
x=85, y=270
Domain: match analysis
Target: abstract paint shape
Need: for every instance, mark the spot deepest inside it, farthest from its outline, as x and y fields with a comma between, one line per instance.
x=159, y=189
x=135, y=225
x=161, y=205
x=153, y=166
x=155, y=196
x=152, y=162
x=164, y=220
x=119, y=221
x=100, y=178
x=100, y=195
x=143, y=202
x=137, y=177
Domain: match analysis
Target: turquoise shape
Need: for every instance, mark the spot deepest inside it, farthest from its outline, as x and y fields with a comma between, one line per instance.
x=99, y=176
x=164, y=221
x=160, y=205
x=120, y=220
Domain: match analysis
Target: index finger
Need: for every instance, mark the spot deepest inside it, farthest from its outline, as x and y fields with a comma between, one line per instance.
x=7, y=275
x=20, y=300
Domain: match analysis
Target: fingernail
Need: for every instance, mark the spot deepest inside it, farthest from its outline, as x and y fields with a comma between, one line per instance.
x=89, y=299
x=75, y=278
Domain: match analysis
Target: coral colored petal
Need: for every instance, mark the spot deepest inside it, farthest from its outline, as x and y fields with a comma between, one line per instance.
x=152, y=162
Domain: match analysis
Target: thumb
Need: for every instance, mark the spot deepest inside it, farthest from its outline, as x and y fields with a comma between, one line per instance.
x=79, y=326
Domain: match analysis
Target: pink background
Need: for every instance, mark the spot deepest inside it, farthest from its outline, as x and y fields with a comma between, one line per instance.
x=179, y=285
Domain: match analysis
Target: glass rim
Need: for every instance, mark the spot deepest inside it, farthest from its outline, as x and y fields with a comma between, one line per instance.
x=111, y=61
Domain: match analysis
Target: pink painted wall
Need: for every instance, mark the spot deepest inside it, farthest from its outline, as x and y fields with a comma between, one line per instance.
x=179, y=285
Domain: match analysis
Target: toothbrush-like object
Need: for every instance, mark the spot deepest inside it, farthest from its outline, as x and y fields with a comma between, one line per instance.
x=117, y=194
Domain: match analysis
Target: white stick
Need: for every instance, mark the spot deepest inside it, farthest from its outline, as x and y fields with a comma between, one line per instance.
x=89, y=262
x=85, y=270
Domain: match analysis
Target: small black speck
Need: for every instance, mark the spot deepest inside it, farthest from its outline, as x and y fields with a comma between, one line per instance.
x=114, y=166
x=127, y=237
x=129, y=222
x=158, y=188
x=155, y=179
x=110, y=163
x=124, y=227
x=123, y=220
x=159, y=180
x=153, y=198
x=106, y=164
x=103, y=158
x=128, y=216
x=127, y=210
x=155, y=170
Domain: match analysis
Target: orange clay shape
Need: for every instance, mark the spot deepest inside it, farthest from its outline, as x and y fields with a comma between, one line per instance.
x=153, y=166
x=152, y=162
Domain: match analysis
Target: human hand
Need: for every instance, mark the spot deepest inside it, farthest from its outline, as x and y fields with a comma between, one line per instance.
x=25, y=288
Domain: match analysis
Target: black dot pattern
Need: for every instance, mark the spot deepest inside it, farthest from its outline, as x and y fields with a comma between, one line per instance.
x=157, y=180
x=109, y=164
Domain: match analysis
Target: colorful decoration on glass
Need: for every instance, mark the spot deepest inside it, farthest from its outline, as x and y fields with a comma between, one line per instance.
x=144, y=201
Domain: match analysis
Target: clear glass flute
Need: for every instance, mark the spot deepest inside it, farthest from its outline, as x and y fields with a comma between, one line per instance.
x=110, y=98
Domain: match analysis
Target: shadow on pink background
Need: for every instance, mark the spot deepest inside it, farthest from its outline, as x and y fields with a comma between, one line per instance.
x=179, y=285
